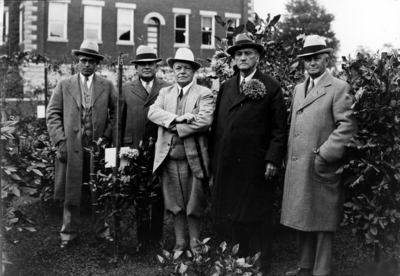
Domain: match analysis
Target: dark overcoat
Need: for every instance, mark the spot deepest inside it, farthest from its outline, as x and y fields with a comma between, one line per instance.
x=135, y=107
x=246, y=134
x=64, y=123
x=321, y=125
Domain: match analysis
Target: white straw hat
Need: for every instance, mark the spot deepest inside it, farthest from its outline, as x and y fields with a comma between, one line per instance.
x=184, y=55
x=89, y=48
x=146, y=53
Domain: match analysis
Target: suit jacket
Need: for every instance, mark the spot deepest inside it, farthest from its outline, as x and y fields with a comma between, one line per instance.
x=64, y=123
x=135, y=125
x=246, y=134
x=321, y=125
x=194, y=135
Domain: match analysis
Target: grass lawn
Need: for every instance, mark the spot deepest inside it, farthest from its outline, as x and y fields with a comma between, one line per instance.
x=38, y=253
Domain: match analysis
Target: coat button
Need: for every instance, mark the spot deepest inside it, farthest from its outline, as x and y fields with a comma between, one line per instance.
x=76, y=129
x=299, y=112
x=296, y=135
x=294, y=158
x=76, y=151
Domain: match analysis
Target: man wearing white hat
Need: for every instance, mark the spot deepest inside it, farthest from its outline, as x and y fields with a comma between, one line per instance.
x=184, y=113
x=322, y=123
x=81, y=110
x=138, y=95
x=248, y=141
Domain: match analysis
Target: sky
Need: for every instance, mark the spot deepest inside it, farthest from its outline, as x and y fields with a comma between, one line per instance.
x=370, y=23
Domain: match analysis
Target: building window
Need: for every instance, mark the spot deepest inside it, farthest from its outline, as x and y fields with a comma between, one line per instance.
x=153, y=33
x=58, y=14
x=92, y=23
x=235, y=17
x=181, y=27
x=207, y=30
x=21, y=24
x=4, y=36
x=125, y=20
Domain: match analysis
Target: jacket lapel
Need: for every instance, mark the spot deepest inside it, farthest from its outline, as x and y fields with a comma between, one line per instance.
x=172, y=99
x=191, y=98
x=318, y=91
x=233, y=91
x=74, y=89
x=138, y=89
x=98, y=88
x=154, y=91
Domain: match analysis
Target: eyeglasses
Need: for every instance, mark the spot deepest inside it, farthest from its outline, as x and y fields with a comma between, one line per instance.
x=90, y=61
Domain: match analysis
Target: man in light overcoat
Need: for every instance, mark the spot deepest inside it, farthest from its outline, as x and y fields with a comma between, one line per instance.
x=248, y=144
x=80, y=111
x=322, y=123
x=184, y=114
x=138, y=95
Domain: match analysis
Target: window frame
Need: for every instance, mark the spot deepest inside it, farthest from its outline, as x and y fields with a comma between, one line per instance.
x=59, y=39
x=235, y=16
x=185, y=12
x=4, y=31
x=131, y=8
x=21, y=24
x=99, y=5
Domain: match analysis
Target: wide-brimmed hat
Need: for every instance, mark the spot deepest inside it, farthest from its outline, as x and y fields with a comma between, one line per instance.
x=314, y=44
x=244, y=41
x=146, y=53
x=90, y=49
x=184, y=55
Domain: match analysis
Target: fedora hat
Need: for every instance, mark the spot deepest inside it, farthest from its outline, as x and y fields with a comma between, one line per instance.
x=184, y=55
x=90, y=49
x=314, y=44
x=146, y=53
x=244, y=41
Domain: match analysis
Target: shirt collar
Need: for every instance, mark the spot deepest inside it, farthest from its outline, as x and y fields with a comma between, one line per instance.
x=150, y=83
x=186, y=88
x=249, y=77
x=90, y=79
x=316, y=80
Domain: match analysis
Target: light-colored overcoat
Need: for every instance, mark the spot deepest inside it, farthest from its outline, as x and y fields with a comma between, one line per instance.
x=64, y=123
x=321, y=125
x=194, y=135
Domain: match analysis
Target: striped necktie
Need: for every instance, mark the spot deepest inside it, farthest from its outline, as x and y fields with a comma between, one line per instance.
x=310, y=87
x=147, y=87
x=242, y=85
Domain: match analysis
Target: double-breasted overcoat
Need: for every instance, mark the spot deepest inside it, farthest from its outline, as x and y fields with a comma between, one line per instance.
x=246, y=134
x=64, y=123
x=321, y=125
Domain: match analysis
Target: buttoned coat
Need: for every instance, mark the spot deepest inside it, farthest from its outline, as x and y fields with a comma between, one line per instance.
x=136, y=102
x=321, y=125
x=64, y=123
x=246, y=134
x=194, y=135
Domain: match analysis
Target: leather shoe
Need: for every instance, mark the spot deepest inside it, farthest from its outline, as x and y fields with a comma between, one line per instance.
x=299, y=271
x=105, y=239
x=65, y=244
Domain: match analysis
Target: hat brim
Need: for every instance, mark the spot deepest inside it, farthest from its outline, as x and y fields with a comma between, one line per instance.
x=195, y=64
x=232, y=50
x=146, y=60
x=83, y=53
x=327, y=50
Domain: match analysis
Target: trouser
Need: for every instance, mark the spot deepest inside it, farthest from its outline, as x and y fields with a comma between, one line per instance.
x=314, y=250
x=150, y=224
x=71, y=214
x=254, y=237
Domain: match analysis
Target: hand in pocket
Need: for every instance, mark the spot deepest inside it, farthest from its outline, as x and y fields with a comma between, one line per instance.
x=62, y=151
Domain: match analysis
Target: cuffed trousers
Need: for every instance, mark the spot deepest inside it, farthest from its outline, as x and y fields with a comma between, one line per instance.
x=314, y=251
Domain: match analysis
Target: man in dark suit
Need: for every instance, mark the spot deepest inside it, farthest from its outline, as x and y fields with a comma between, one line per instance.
x=138, y=95
x=80, y=111
x=248, y=140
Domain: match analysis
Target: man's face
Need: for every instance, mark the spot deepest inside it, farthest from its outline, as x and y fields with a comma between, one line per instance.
x=87, y=65
x=246, y=59
x=184, y=73
x=316, y=64
x=146, y=70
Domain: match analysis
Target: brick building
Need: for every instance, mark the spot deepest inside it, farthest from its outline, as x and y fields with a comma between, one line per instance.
x=55, y=27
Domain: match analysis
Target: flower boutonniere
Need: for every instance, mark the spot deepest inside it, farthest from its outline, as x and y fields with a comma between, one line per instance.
x=254, y=89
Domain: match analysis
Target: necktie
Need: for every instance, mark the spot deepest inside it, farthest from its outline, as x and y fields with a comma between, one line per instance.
x=147, y=87
x=85, y=83
x=242, y=85
x=180, y=94
x=310, y=87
